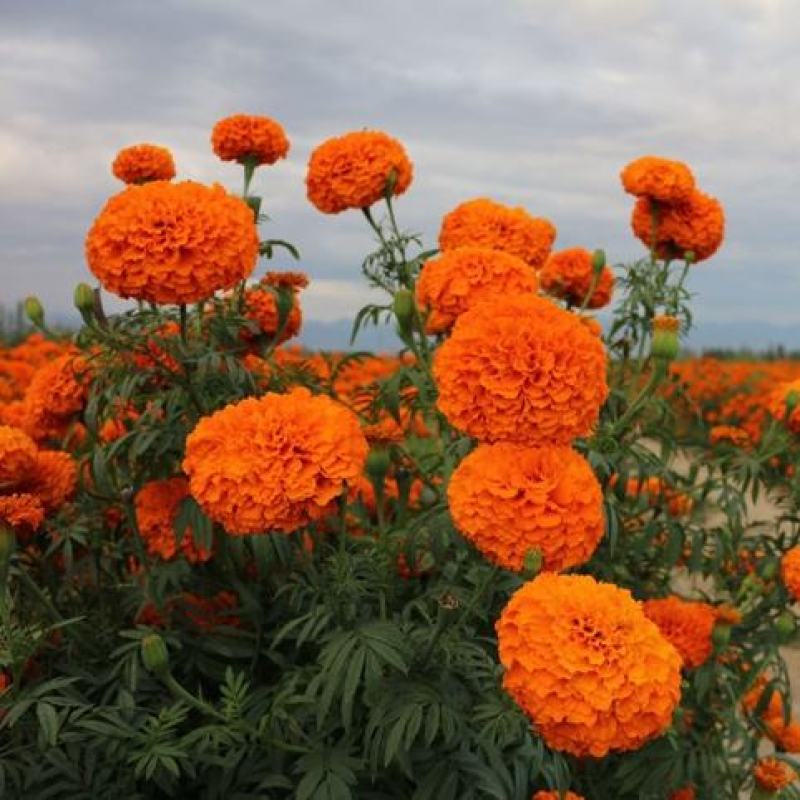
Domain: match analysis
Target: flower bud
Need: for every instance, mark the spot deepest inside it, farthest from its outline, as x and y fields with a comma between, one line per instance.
x=791, y=400
x=665, y=344
x=689, y=256
x=84, y=300
x=34, y=311
x=378, y=463
x=154, y=654
x=598, y=260
x=785, y=626
x=532, y=564
x=391, y=182
x=768, y=568
x=403, y=306
x=721, y=635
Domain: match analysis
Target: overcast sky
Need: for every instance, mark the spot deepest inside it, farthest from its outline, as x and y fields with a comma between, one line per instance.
x=531, y=102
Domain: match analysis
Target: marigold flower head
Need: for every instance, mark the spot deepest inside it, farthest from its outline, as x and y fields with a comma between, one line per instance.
x=142, y=163
x=588, y=667
x=273, y=463
x=17, y=457
x=458, y=279
x=785, y=736
x=773, y=775
x=783, y=404
x=685, y=793
x=553, y=795
x=660, y=178
x=521, y=369
x=261, y=306
x=790, y=571
x=569, y=274
x=485, y=223
x=773, y=713
x=687, y=625
x=172, y=242
x=22, y=512
x=54, y=478
x=666, y=323
x=57, y=393
x=244, y=137
x=286, y=280
x=696, y=224
x=733, y=434
x=354, y=170
x=157, y=505
x=510, y=499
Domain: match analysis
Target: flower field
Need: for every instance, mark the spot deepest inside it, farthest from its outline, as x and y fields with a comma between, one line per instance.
x=514, y=560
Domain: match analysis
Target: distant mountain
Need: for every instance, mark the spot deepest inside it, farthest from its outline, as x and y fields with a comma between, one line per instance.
x=335, y=335
x=744, y=335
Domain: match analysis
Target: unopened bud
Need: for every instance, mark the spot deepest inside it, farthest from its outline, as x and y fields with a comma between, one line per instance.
x=154, y=654
x=721, y=635
x=391, y=182
x=84, y=300
x=532, y=563
x=598, y=260
x=785, y=626
x=665, y=344
x=34, y=311
x=403, y=306
x=378, y=463
x=689, y=257
x=791, y=400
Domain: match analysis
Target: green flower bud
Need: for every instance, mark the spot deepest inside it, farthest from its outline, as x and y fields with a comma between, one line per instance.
x=378, y=463
x=598, y=260
x=665, y=344
x=532, y=563
x=791, y=400
x=721, y=635
x=689, y=257
x=84, y=301
x=785, y=626
x=34, y=311
x=391, y=182
x=154, y=654
x=403, y=306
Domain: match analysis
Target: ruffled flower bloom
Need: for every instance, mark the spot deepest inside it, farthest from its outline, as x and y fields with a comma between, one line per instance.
x=54, y=479
x=23, y=513
x=274, y=463
x=790, y=571
x=686, y=793
x=696, y=224
x=773, y=775
x=486, y=223
x=686, y=625
x=172, y=242
x=142, y=163
x=244, y=137
x=509, y=499
x=354, y=171
x=261, y=306
x=588, y=667
x=730, y=434
x=456, y=280
x=157, y=505
x=17, y=457
x=552, y=795
x=521, y=369
x=783, y=404
x=659, y=178
x=56, y=394
x=569, y=275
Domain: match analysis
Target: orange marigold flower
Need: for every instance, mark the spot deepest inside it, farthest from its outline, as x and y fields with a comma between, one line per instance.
x=244, y=137
x=790, y=571
x=456, y=280
x=157, y=505
x=509, y=499
x=352, y=171
x=485, y=223
x=286, y=280
x=273, y=463
x=687, y=625
x=54, y=478
x=57, y=392
x=261, y=306
x=660, y=178
x=686, y=793
x=521, y=369
x=696, y=224
x=569, y=275
x=773, y=714
x=666, y=323
x=786, y=737
x=773, y=775
x=588, y=667
x=554, y=795
x=727, y=614
x=142, y=163
x=172, y=242
x=783, y=403
x=14, y=414
x=738, y=437
x=17, y=457
x=24, y=513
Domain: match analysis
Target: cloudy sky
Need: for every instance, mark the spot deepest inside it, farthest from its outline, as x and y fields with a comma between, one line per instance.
x=532, y=102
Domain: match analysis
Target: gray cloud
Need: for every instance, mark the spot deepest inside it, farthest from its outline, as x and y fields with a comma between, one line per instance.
x=534, y=102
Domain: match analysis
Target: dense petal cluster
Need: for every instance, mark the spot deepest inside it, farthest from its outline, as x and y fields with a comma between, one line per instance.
x=684, y=793
x=261, y=306
x=354, y=170
x=773, y=775
x=790, y=571
x=457, y=279
x=142, y=163
x=245, y=137
x=696, y=224
x=23, y=512
x=732, y=434
x=273, y=463
x=157, y=505
x=660, y=178
x=55, y=395
x=553, y=795
x=17, y=456
x=172, y=242
x=510, y=499
x=783, y=404
x=485, y=223
x=687, y=625
x=521, y=369
x=588, y=667
x=569, y=275
x=54, y=478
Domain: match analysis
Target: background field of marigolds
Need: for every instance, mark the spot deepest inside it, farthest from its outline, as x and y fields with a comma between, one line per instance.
x=535, y=549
